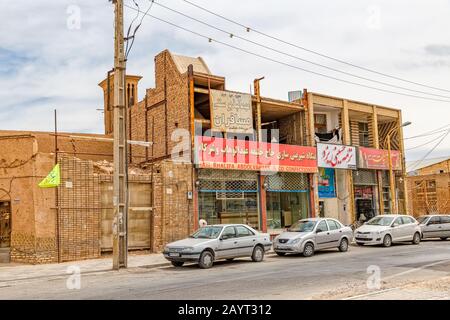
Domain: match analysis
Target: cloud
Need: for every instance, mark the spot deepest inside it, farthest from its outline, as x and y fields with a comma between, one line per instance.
x=438, y=50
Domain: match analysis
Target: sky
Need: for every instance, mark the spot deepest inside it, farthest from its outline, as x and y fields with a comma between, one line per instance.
x=53, y=54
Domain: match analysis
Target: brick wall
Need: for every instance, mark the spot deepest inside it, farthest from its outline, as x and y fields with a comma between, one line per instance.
x=168, y=109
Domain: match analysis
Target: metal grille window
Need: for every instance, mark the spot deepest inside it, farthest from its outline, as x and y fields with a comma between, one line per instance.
x=287, y=181
x=227, y=181
x=364, y=177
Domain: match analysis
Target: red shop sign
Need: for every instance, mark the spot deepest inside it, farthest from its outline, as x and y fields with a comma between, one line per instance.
x=219, y=153
x=378, y=159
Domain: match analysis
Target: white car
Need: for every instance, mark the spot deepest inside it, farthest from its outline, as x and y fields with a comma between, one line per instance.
x=386, y=229
x=435, y=226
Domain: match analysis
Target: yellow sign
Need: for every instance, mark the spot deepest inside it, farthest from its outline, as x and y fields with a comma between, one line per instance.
x=52, y=180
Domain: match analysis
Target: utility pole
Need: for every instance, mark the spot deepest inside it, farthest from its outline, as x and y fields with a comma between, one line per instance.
x=120, y=197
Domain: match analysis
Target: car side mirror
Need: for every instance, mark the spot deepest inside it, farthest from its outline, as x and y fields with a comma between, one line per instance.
x=319, y=230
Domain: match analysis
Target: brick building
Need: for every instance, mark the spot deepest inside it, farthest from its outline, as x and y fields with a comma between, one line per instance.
x=428, y=185
x=233, y=179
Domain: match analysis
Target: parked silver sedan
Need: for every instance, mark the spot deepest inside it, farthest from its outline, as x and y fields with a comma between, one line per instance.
x=215, y=242
x=435, y=226
x=309, y=235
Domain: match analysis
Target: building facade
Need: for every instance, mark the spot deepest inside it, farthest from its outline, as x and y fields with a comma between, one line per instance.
x=429, y=187
x=261, y=161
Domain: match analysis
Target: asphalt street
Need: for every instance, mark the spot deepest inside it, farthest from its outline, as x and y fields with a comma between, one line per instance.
x=360, y=273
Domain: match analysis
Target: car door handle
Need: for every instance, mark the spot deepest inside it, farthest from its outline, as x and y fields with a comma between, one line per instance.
x=340, y=230
x=254, y=240
x=328, y=233
x=235, y=242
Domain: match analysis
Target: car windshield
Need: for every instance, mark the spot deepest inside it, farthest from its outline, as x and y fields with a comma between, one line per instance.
x=302, y=226
x=422, y=219
x=208, y=232
x=380, y=221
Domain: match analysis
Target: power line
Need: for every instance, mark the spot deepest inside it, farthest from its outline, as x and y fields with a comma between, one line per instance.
x=128, y=50
x=424, y=144
x=232, y=35
x=210, y=39
x=429, y=152
x=248, y=29
x=429, y=133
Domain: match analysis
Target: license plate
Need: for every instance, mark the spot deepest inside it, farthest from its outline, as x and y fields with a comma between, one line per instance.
x=282, y=247
x=363, y=236
x=174, y=254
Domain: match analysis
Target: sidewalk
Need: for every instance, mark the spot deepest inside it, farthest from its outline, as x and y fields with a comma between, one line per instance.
x=14, y=271
x=10, y=272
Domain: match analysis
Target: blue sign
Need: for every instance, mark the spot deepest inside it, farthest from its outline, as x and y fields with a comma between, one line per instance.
x=326, y=183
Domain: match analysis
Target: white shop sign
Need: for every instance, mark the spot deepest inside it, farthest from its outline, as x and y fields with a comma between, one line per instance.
x=336, y=156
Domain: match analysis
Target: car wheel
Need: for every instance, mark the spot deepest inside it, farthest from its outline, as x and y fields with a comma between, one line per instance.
x=343, y=246
x=387, y=241
x=206, y=260
x=308, y=251
x=416, y=238
x=177, y=263
x=280, y=253
x=258, y=254
x=360, y=243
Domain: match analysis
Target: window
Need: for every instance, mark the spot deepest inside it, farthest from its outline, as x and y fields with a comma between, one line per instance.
x=407, y=220
x=333, y=225
x=445, y=219
x=228, y=233
x=397, y=222
x=320, y=123
x=434, y=220
x=363, y=128
x=243, y=231
x=322, y=226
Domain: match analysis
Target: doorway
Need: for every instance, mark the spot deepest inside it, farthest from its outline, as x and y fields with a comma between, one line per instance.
x=5, y=231
x=365, y=206
x=285, y=208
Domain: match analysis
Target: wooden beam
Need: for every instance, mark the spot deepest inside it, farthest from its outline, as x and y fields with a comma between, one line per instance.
x=376, y=142
x=201, y=90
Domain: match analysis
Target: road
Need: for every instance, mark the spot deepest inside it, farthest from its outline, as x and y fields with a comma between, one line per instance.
x=406, y=272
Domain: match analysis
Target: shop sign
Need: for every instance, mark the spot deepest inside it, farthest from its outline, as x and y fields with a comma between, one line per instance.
x=233, y=154
x=231, y=112
x=378, y=159
x=336, y=156
x=326, y=183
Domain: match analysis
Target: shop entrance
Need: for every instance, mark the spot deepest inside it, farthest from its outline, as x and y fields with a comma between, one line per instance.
x=5, y=230
x=365, y=188
x=365, y=206
x=228, y=196
x=285, y=208
x=287, y=199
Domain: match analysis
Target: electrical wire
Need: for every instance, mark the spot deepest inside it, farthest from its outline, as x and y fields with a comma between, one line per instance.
x=131, y=24
x=414, y=167
x=424, y=144
x=248, y=29
x=296, y=57
x=287, y=64
x=133, y=37
x=429, y=133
